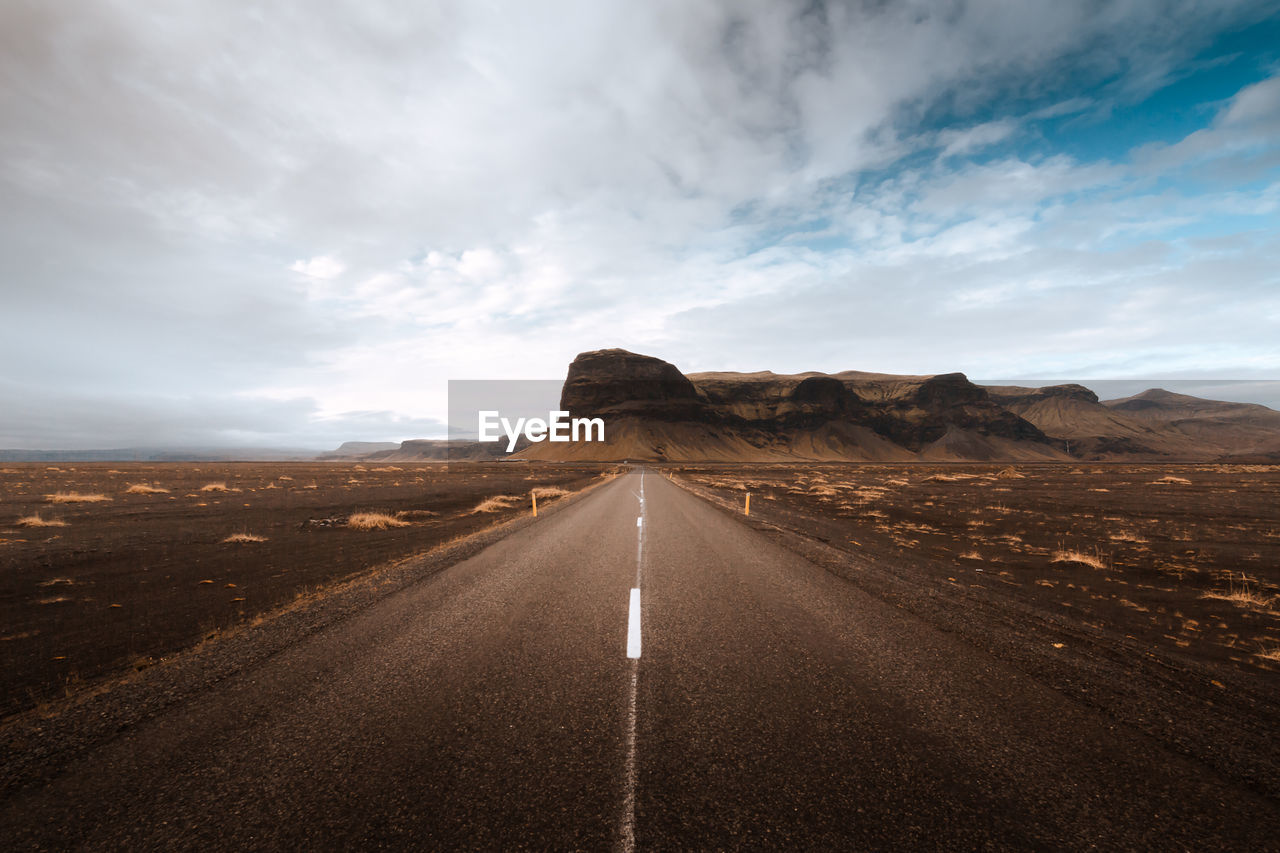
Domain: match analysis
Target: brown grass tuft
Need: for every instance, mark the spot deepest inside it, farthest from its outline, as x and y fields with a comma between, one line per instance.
x=374, y=521
x=1171, y=481
x=144, y=489
x=1243, y=595
x=1094, y=560
x=244, y=537
x=551, y=492
x=74, y=498
x=416, y=514
x=37, y=521
x=217, y=487
x=497, y=503
x=1010, y=473
x=948, y=478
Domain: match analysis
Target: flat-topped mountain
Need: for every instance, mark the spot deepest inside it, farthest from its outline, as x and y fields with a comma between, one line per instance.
x=654, y=412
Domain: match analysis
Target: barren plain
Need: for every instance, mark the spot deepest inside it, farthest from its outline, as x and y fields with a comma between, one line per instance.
x=1148, y=592
x=1184, y=558
x=106, y=568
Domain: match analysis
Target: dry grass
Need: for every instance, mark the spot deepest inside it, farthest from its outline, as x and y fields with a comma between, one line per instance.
x=74, y=498
x=217, y=487
x=1009, y=474
x=550, y=492
x=374, y=521
x=1171, y=481
x=416, y=514
x=1271, y=653
x=1064, y=556
x=1243, y=595
x=971, y=555
x=497, y=503
x=948, y=478
x=37, y=521
x=244, y=537
x=144, y=489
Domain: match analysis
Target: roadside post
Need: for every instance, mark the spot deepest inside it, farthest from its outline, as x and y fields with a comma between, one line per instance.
x=534, y=494
x=747, y=510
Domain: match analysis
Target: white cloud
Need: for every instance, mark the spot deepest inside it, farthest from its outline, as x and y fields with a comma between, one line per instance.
x=322, y=267
x=353, y=206
x=970, y=139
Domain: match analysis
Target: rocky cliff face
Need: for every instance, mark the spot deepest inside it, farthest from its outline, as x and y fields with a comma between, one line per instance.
x=615, y=382
x=916, y=415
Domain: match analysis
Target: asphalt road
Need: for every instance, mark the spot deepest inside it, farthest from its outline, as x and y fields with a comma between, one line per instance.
x=502, y=705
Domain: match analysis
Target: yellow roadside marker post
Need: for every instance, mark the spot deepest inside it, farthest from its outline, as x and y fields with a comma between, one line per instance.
x=534, y=494
x=747, y=511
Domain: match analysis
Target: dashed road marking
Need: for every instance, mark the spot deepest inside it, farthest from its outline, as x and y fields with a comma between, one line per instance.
x=633, y=625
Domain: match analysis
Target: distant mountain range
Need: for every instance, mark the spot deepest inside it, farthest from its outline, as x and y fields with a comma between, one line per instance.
x=161, y=454
x=654, y=412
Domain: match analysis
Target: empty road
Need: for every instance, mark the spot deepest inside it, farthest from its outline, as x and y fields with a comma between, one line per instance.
x=637, y=670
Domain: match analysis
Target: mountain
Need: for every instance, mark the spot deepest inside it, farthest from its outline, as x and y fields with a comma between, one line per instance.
x=441, y=450
x=654, y=412
x=161, y=454
x=357, y=449
x=1154, y=425
x=1089, y=428
x=1229, y=429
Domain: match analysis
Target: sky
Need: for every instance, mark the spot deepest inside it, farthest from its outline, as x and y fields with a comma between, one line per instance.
x=290, y=224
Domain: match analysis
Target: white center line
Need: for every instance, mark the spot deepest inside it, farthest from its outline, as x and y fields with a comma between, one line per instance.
x=628, y=829
x=633, y=626
x=628, y=840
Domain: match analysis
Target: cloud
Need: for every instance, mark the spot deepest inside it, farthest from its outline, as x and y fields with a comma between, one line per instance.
x=350, y=207
x=321, y=267
x=957, y=142
x=50, y=420
x=1247, y=128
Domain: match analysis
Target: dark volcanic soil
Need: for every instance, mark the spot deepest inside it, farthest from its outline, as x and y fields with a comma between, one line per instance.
x=140, y=575
x=1150, y=592
x=1181, y=557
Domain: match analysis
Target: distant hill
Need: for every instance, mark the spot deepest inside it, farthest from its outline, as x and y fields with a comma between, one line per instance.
x=1229, y=429
x=357, y=449
x=654, y=412
x=1088, y=427
x=154, y=454
x=441, y=450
